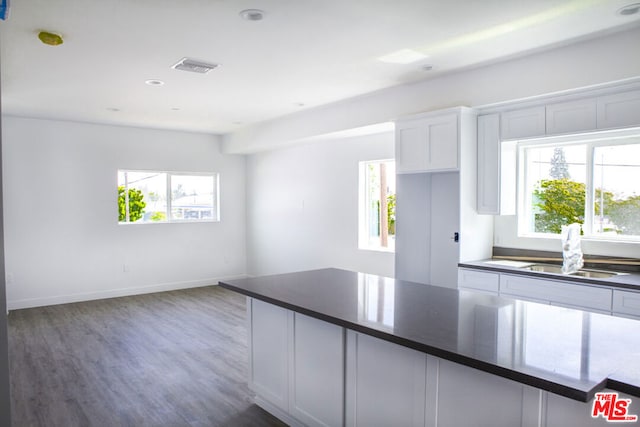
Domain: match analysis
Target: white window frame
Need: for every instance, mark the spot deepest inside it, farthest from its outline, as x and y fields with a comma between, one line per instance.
x=215, y=176
x=591, y=140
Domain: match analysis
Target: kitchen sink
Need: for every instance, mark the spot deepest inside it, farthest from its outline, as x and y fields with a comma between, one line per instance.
x=595, y=274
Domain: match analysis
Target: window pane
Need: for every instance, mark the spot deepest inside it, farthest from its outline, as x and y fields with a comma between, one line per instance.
x=193, y=197
x=378, y=215
x=555, y=189
x=146, y=195
x=616, y=175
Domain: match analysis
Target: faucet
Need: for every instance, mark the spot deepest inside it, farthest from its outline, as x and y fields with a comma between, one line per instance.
x=571, y=251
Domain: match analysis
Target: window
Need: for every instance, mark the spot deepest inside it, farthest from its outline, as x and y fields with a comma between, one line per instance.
x=593, y=181
x=153, y=196
x=377, y=212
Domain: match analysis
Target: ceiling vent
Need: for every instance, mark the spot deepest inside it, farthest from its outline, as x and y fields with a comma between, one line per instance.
x=186, y=64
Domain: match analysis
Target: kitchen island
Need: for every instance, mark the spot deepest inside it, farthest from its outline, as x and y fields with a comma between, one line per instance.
x=335, y=347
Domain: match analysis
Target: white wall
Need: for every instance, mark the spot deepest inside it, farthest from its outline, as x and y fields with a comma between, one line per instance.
x=302, y=207
x=62, y=238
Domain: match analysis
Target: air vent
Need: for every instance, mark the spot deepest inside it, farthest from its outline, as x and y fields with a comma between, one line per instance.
x=186, y=64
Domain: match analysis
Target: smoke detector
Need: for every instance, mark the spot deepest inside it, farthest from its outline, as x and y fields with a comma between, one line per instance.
x=186, y=64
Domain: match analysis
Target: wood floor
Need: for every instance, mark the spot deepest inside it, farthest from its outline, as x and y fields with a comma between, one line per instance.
x=167, y=359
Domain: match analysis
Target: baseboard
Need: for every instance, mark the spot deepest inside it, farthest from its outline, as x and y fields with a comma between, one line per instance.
x=114, y=293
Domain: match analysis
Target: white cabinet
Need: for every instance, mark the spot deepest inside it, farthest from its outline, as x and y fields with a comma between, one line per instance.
x=556, y=292
x=571, y=116
x=317, y=372
x=489, y=164
x=559, y=115
x=626, y=303
x=463, y=396
x=385, y=383
x=334, y=377
x=296, y=365
x=619, y=110
x=484, y=281
x=268, y=353
x=427, y=143
x=524, y=123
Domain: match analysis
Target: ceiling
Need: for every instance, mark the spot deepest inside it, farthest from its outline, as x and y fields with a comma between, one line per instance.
x=302, y=55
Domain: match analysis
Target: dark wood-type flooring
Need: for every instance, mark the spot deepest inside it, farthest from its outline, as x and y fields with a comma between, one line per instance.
x=167, y=359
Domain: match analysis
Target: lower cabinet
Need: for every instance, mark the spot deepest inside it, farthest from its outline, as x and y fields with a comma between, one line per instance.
x=268, y=352
x=556, y=292
x=317, y=372
x=385, y=383
x=308, y=372
x=296, y=365
x=626, y=303
x=545, y=291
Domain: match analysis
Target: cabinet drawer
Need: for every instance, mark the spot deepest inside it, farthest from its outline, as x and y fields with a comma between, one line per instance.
x=478, y=280
x=625, y=302
x=559, y=293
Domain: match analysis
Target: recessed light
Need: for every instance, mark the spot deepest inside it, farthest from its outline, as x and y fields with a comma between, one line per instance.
x=237, y=122
x=299, y=104
x=115, y=110
x=427, y=67
x=252, y=14
x=175, y=109
x=630, y=9
x=154, y=82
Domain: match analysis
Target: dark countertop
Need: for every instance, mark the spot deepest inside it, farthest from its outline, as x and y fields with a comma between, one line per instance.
x=514, y=339
x=628, y=280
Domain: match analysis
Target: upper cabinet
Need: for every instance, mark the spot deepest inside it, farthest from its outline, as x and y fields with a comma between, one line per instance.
x=488, y=164
x=427, y=143
x=524, y=123
x=500, y=129
x=614, y=111
x=572, y=116
x=619, y=110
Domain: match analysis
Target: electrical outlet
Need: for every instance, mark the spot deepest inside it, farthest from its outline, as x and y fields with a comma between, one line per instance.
x=9, y=278
x=126, y=268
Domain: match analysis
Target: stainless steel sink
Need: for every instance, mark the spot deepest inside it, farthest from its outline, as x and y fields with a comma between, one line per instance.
x=556, y=269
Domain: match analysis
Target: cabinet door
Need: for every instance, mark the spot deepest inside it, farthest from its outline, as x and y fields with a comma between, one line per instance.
x=427, y=144
x=385, y=383
x=489, y=164
x=317, y=372
x=442, y=136
x=411, y=147
x=525, y=123
x=619, y=110
x=477, y=280
x=268, y=361
x=573, y=116
x=626, y=303
x=462, y=396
